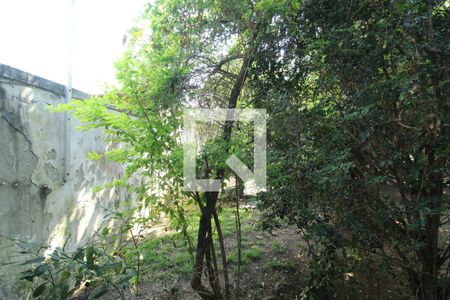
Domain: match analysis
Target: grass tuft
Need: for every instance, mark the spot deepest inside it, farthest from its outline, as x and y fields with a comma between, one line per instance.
x=278, y=265
x=278, y=247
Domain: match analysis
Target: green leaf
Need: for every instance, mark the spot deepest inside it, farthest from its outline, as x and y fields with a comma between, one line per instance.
x=28, y=275
x=90, y=252
x=94, y=156
x=98, y=292
x=41, y=270
x=105, y=231
x=124, y=280
x=39, y=290
x=33, y=261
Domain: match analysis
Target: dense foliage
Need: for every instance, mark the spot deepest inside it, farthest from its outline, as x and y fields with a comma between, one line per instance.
x=358, y=92
x=358, y=108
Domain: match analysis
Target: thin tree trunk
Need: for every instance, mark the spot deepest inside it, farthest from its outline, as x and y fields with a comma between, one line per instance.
x=202, y=247
x=223, y=255
x=211, y=197
x=238, y=238
x=214, y=280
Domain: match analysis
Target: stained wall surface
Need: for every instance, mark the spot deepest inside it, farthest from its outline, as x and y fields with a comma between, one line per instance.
x=37, y=202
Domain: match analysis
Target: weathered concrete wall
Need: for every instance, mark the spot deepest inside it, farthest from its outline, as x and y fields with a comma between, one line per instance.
x=36, y=203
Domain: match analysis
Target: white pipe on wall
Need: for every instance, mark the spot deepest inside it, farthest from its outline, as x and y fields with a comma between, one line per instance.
x=68, y=98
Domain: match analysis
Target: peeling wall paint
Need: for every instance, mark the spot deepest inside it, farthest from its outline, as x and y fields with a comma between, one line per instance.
x=35, y=202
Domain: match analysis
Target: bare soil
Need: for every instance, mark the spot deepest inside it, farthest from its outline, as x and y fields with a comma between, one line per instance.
x=276, y=274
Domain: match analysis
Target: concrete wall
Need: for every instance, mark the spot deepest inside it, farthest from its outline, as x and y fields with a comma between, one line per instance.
x=36, y=202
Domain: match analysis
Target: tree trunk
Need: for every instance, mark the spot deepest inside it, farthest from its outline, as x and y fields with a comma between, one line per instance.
x=203, y=243
x=223, y=256
x=429, y=254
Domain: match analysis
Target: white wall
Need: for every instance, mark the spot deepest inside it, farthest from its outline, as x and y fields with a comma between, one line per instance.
x=35, y=202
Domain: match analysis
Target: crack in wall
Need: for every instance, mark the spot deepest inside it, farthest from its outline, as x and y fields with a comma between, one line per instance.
x=29, y=146
x=36, y=204
x=19, y=131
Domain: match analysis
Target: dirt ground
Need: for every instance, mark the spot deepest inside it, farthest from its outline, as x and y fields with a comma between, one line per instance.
x=274, y=266
x=276, y=274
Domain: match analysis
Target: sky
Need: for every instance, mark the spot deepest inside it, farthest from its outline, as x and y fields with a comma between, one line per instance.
x=34, y=37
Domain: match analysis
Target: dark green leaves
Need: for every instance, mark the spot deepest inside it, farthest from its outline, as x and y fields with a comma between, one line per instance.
x=99, y=291
x=39, y=290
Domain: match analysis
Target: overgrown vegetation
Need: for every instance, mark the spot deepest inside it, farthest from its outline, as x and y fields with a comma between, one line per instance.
x=357, y=95
x=104, y=263
x=359, y=110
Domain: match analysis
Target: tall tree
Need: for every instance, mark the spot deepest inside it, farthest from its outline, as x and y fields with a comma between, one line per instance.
x=191, y=53
x=359, y=110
